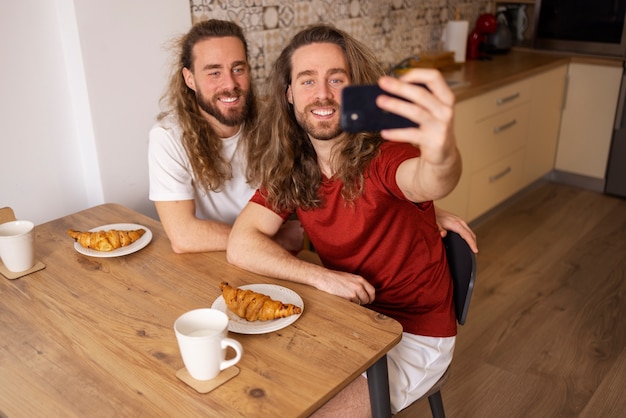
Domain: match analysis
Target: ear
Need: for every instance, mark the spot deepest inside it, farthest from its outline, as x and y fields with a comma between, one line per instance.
x=189, y=80
x=289, y=95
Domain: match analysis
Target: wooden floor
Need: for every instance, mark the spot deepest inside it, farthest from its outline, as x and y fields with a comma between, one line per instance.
x=546, y=331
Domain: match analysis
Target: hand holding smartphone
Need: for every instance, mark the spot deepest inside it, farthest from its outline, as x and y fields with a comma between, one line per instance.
x=359, y=112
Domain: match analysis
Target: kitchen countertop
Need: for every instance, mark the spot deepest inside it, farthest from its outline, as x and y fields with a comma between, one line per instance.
x=477, y=77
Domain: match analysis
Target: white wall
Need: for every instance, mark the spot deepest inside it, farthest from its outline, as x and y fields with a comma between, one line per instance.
x=80, y=83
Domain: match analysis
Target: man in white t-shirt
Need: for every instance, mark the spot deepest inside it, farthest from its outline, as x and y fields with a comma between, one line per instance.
x=198, y=149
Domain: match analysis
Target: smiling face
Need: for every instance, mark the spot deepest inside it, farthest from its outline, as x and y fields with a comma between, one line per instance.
x=220, y=77
x=319, y=73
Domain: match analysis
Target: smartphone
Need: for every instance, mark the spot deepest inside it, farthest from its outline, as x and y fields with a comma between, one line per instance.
x=359, y=112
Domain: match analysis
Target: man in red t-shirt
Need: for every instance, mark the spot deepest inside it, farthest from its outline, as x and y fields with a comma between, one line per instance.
x=365, y=200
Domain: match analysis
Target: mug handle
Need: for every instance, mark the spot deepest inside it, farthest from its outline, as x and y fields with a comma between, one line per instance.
x=226, y=342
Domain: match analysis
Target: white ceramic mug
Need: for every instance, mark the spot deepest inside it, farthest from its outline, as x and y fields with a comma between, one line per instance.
x=202, y=339
x=17, y=245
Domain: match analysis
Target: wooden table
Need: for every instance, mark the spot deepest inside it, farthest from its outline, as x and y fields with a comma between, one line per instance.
x=91, y=336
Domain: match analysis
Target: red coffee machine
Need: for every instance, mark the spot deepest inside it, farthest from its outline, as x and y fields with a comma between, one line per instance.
x=486, y=24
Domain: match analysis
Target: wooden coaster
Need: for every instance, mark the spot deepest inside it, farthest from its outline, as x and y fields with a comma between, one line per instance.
x=206, y=386
x=12, y=275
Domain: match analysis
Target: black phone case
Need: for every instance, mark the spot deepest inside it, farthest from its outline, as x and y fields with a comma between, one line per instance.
x=359, y=112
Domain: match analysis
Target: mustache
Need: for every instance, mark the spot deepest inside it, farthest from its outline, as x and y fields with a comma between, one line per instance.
x=324, y=103
x=236, y=92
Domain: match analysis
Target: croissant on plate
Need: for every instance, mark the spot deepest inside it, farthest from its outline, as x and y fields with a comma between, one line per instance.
x=106, y=240
x=254, y=306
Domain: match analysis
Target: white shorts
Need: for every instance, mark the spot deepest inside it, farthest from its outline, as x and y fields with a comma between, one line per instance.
x=415, y=365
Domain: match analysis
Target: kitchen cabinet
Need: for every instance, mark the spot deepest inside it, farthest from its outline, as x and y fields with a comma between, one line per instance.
x=508, y=139
x=493, y=184
x=498, y=147
x=587, y=119
x=548, y=93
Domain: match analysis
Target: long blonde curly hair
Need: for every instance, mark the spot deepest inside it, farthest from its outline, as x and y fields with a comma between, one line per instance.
x=201, y=143
x=282, y=158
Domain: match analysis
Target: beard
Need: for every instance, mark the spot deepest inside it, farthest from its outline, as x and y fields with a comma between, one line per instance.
x=320, y=130
x=232, y=117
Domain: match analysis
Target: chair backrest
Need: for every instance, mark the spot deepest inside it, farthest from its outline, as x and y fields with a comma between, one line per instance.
x=462, y=262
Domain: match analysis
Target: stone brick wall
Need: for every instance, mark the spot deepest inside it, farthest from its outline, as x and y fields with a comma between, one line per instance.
x=394, y=29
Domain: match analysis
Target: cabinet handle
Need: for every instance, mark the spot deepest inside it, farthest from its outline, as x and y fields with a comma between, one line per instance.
x=504, y=127
x=507, y=99
x=501, y=174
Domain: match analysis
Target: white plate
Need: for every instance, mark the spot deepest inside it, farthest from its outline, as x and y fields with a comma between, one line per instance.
x=129, y=249
x=242, y=326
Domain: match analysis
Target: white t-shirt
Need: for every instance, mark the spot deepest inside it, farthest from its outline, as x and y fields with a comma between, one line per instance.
x=172, y=178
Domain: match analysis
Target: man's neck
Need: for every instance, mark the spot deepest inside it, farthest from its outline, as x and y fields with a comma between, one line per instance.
x=326, y=150
x=226, y=131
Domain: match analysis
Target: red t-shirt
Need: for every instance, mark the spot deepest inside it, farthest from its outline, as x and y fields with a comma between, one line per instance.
x=388, y=240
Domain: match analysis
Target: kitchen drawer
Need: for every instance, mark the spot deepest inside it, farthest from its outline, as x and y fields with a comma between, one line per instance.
x=503, y=98
x=495, y=183
x=500, y=135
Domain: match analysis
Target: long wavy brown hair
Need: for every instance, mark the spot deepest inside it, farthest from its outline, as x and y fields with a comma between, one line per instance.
x=202, y=144
x=282, y=158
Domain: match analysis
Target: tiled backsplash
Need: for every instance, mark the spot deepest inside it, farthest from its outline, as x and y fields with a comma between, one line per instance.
x=394, y=29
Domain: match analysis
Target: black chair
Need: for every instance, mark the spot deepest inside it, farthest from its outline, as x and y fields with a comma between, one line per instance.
x=462, y=262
